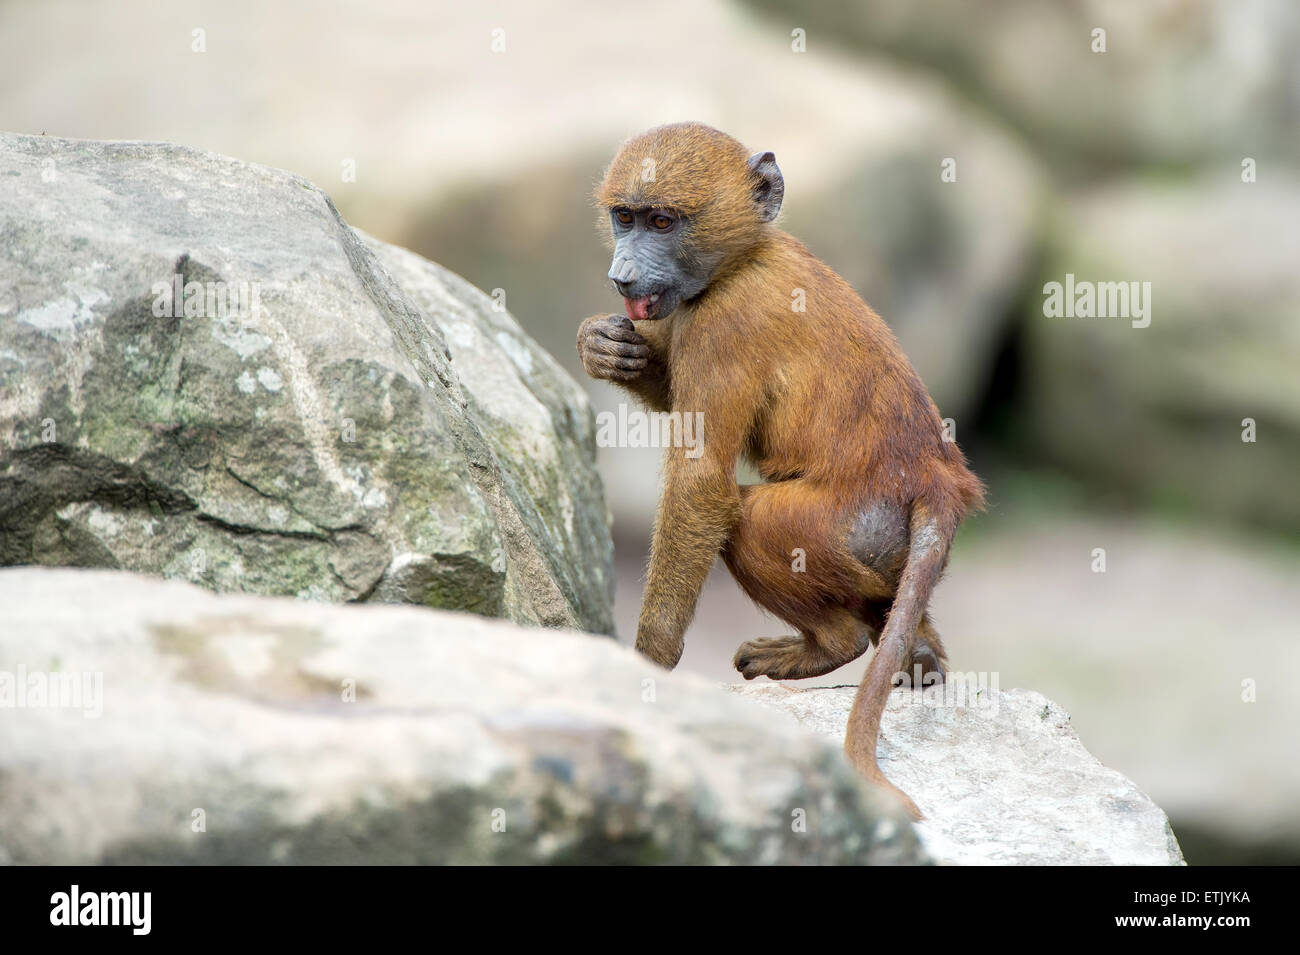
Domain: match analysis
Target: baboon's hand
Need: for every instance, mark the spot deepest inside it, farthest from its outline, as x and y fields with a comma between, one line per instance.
x=612, y=349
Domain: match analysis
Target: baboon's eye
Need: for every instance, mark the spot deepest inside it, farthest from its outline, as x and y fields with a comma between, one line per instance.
x=661, y=221
x=624, y=216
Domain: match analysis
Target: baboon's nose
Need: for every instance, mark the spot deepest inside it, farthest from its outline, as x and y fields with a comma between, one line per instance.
x=623, y=271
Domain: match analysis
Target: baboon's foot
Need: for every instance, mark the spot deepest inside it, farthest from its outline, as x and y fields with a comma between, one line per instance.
x=783, y=658
x=932, y=670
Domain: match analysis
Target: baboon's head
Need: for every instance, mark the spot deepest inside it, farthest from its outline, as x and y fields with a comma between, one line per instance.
x=683, y=201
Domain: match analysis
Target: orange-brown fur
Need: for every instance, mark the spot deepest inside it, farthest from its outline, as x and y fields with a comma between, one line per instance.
x=824, y=404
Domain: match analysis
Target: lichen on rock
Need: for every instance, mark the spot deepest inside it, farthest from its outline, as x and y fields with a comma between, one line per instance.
x=206, y=374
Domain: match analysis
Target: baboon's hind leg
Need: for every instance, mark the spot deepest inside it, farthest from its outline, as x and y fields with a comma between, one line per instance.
x=928, y=654
x=825, y=646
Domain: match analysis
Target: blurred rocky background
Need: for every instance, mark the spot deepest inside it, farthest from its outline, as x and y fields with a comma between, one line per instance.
x=472, y=134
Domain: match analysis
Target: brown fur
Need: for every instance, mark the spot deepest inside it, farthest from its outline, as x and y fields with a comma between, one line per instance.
x=825, y=405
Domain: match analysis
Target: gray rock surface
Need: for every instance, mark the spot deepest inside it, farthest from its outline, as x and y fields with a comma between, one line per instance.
x=1002, y=778
x=461, y=725
x=326, y=417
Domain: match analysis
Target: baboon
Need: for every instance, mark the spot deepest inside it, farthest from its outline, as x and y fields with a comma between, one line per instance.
x=728, y=315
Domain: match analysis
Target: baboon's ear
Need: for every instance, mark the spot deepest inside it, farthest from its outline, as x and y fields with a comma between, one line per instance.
x=769, y=185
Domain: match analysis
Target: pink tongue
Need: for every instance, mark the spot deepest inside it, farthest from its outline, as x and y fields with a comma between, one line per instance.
x=637, y=308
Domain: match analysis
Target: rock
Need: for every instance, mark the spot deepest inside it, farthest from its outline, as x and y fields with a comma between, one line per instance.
x=1159, y=411
x=1177, y=82
x=470, y=741
x=298, y=421
x=1173, y=597
x=1004, y=780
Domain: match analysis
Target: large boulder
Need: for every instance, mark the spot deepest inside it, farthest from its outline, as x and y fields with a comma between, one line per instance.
x=236, y=729
x=206, y=374
x=1001, y=776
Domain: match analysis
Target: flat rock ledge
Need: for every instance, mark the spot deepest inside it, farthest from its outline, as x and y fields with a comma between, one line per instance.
x=1001, y=776
x=148, y=721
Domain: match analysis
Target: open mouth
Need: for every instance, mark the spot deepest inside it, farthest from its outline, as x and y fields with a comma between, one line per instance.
x=639, y=309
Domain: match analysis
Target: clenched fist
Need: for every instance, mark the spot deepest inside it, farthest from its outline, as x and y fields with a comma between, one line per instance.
x=612, y=349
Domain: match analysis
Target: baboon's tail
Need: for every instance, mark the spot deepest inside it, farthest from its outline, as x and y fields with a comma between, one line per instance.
x=931, y=536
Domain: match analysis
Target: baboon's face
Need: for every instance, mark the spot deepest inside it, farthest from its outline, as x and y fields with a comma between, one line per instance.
x=702, y=206
x=653, y=268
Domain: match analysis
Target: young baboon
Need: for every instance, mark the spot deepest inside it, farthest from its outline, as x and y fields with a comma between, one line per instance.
x=730, y=316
